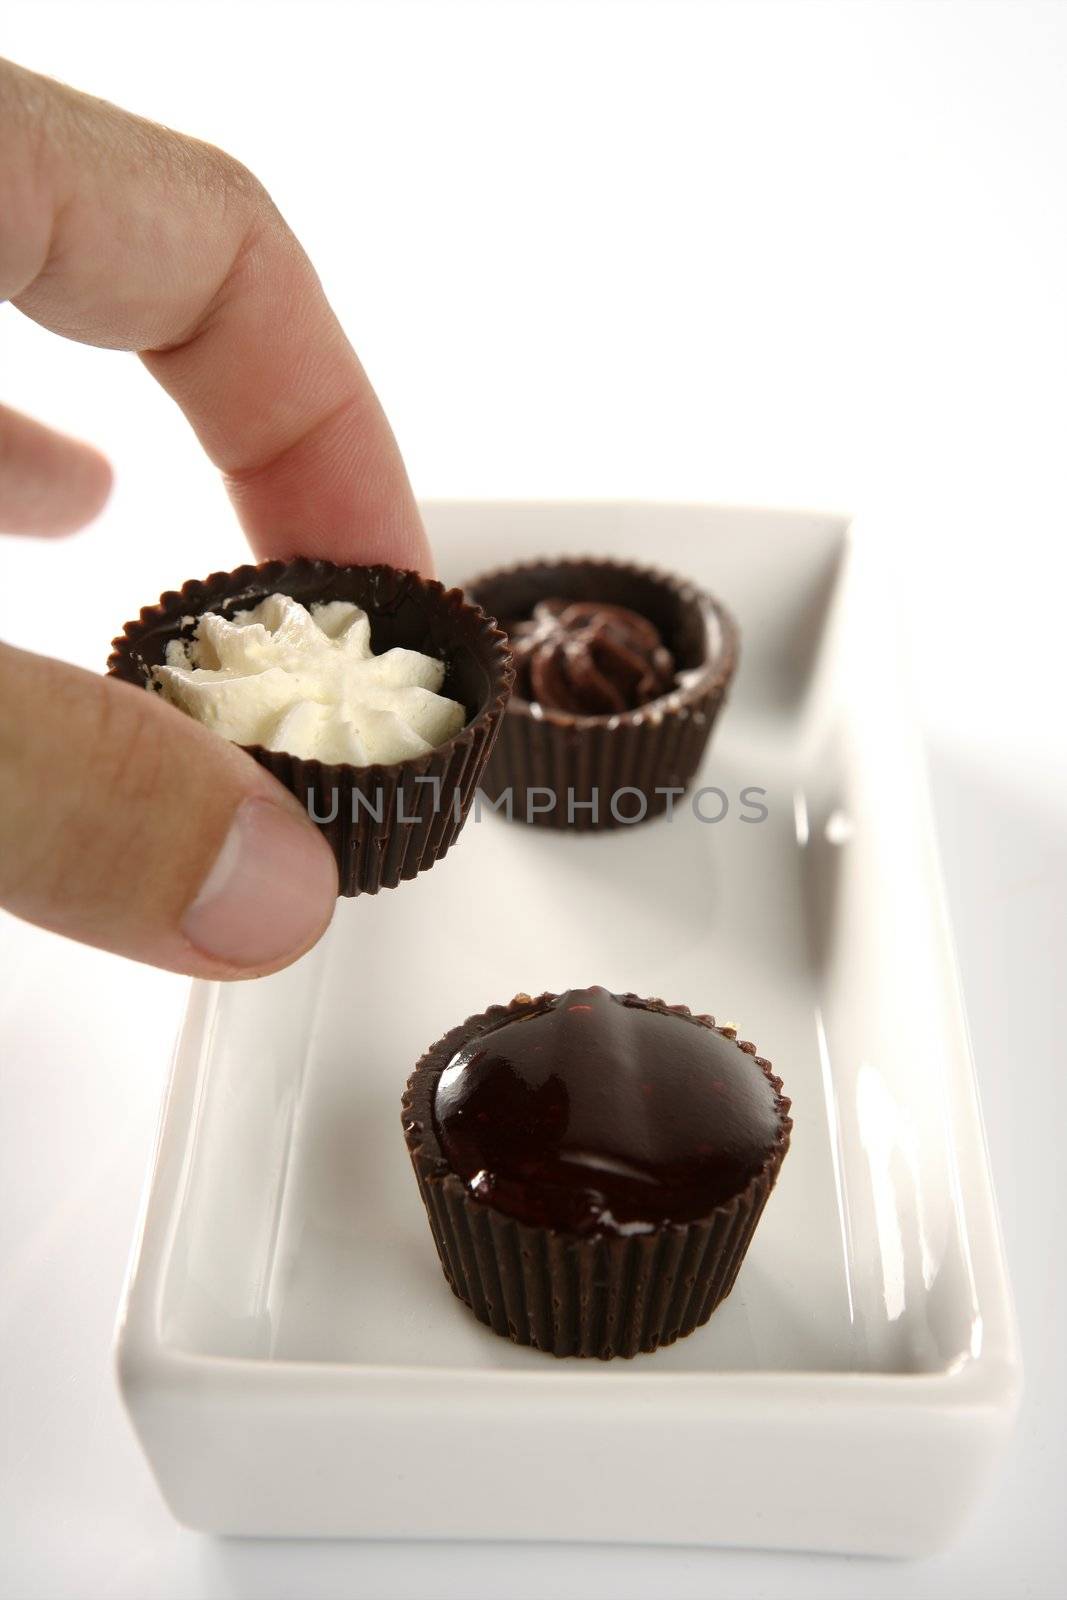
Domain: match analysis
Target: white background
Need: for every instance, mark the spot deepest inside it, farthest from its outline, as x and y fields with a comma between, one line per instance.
x=793, y=253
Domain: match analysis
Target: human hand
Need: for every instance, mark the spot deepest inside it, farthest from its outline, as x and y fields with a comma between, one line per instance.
x=123, y=823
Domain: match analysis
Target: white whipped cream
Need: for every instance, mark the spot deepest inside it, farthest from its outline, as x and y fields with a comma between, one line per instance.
x=307, y=682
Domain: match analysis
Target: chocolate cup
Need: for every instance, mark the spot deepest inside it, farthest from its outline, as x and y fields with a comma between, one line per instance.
x=609, y=771
x=383, y=824
x=601, y=1294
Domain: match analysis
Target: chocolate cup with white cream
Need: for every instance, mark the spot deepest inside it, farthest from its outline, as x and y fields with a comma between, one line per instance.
x=635, y=701
x=386, y=822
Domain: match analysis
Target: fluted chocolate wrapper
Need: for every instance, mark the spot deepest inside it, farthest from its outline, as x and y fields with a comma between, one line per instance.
x=601, y=1294
x=385, y=823
x=562, y=770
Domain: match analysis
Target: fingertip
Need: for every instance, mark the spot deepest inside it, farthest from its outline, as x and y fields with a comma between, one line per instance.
x=50, y=484
x=269, y=894
x=99, y=480
x=88, y=490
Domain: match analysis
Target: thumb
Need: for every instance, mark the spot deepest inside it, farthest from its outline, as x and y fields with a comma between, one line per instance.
x=126, y=825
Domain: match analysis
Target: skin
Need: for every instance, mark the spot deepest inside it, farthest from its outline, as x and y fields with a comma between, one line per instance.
x=119, y=233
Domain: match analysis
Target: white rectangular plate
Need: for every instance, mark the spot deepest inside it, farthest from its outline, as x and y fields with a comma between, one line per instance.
x=291, y=1355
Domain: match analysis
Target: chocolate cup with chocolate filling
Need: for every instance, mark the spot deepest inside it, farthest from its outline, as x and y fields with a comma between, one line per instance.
x=385, y=823
x=563, y=766
x=592, y=1191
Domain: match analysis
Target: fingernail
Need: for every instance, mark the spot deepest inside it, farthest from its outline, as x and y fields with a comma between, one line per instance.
x=270, y=892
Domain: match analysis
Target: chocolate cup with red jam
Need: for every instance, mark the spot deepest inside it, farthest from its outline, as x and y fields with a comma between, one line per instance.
x=605, y=727
x=385, y=823
x=593, y=1166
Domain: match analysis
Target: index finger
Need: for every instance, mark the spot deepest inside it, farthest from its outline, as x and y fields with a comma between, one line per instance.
x=117, y=232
